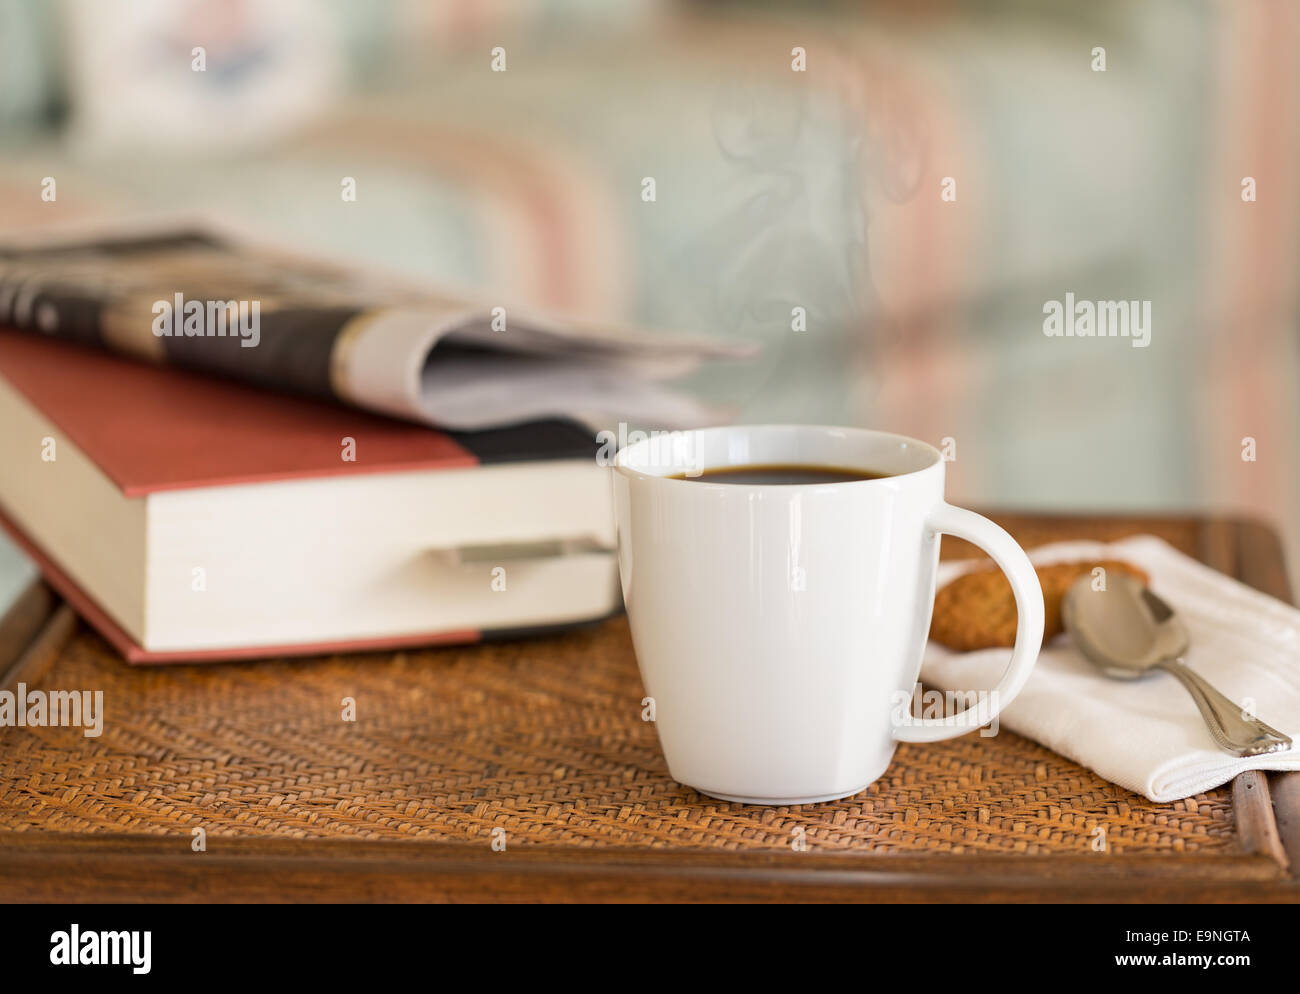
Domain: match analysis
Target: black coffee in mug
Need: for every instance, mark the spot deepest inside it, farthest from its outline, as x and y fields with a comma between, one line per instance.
x=789, y=474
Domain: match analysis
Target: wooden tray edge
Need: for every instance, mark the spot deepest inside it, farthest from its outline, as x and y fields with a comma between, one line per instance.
x=38, y=867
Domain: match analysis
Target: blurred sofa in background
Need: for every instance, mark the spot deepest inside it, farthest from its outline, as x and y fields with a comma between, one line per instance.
x=919, y=193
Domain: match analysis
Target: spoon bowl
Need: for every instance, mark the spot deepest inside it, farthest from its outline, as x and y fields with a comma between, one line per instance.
x=1123, y=628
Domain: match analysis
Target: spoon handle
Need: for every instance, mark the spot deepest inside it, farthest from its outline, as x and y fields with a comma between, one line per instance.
x=1232, y=730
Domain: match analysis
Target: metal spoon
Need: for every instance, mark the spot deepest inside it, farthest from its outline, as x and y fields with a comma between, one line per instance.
x=1126, y=631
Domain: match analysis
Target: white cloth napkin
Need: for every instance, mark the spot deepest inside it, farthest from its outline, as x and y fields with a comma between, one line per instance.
x=1147, y=735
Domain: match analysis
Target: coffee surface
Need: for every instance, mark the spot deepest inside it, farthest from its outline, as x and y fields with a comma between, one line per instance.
x=781, y=474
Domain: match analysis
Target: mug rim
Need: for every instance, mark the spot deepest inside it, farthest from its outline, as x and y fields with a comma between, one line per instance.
x=620, y=465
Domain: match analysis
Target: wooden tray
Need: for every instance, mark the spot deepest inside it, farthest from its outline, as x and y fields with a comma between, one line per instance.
x=540, y=744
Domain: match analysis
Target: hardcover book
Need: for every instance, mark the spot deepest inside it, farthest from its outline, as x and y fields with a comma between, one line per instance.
x=194, y=518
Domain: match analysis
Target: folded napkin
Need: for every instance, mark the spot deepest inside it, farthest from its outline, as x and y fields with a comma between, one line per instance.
x=1147, y=735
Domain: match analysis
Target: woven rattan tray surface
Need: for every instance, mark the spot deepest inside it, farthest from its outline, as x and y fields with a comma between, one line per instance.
x=544, y=740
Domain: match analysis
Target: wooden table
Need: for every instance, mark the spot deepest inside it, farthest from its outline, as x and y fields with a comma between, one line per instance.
x=539, y=747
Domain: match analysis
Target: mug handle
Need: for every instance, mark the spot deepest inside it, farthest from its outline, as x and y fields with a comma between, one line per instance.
x=1002, y=548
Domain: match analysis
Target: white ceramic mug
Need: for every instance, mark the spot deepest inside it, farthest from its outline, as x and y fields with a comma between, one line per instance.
x=777, y=626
